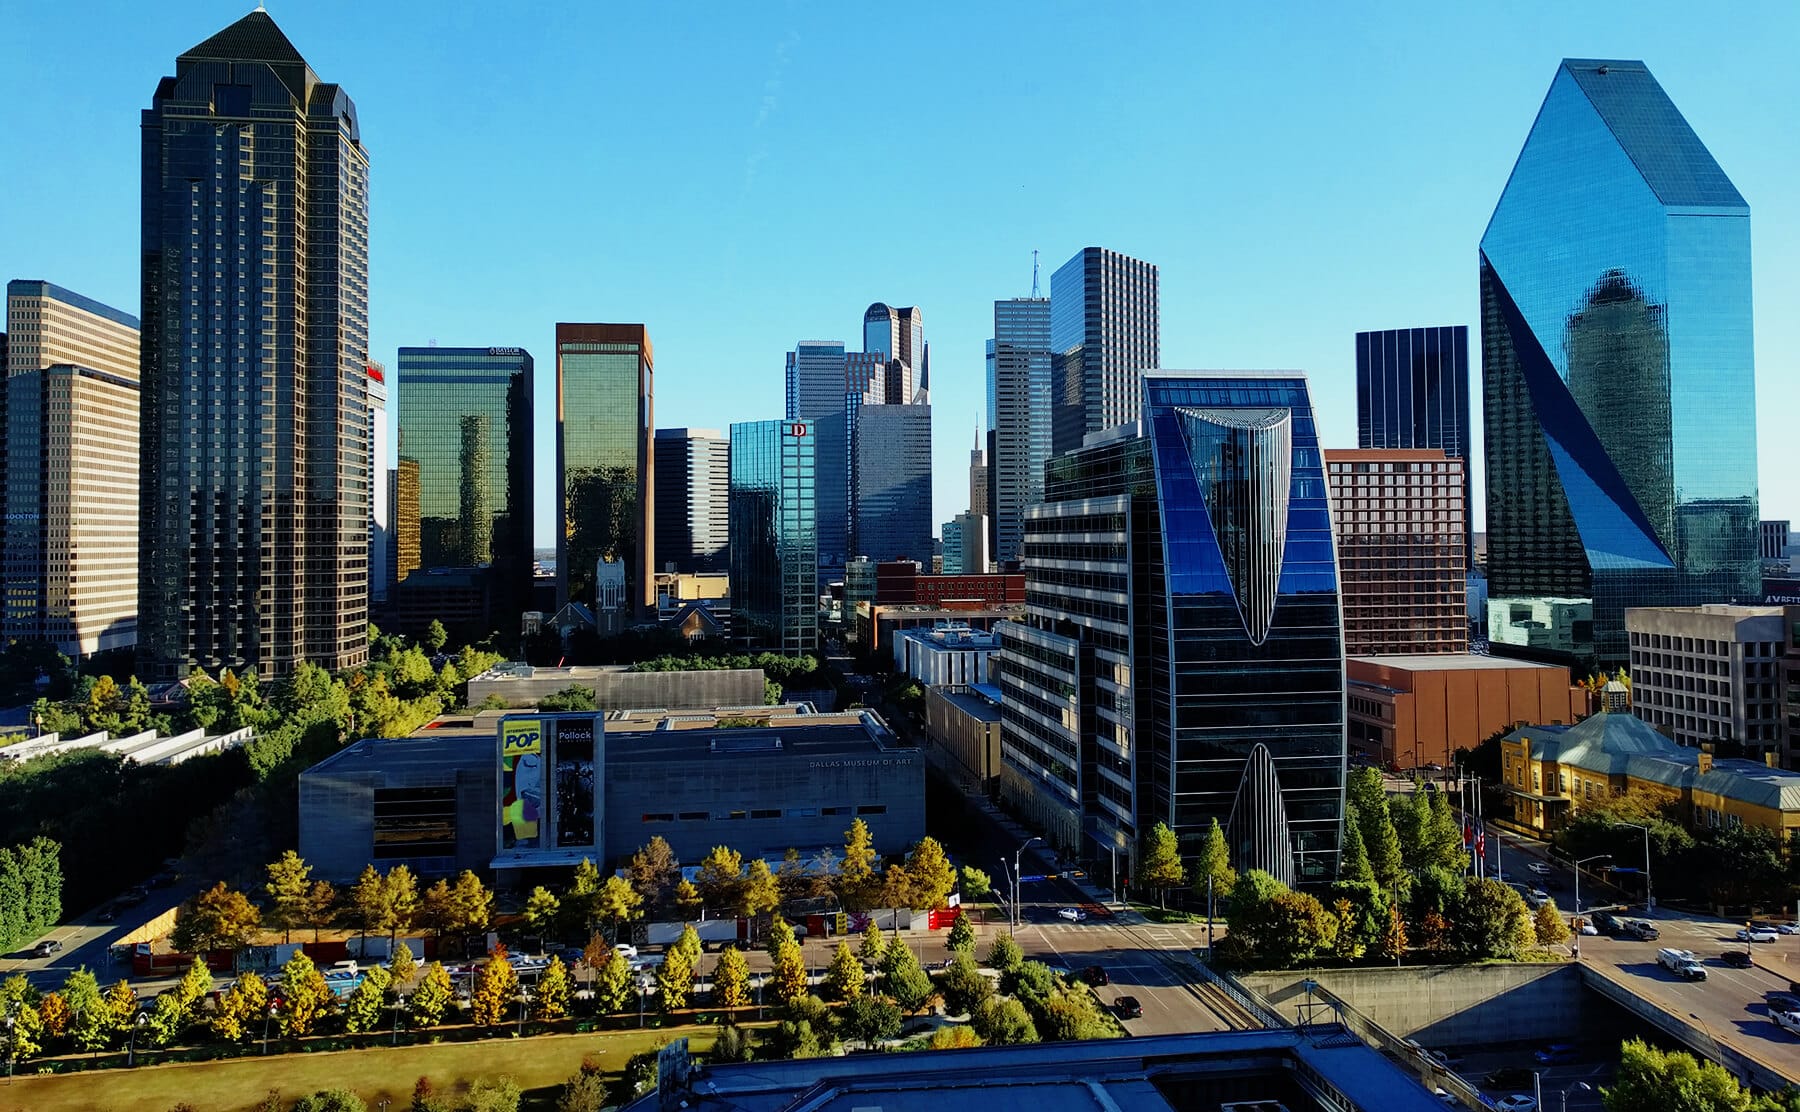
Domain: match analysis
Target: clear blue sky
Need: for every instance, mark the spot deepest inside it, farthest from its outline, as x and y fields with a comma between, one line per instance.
x=741, y=176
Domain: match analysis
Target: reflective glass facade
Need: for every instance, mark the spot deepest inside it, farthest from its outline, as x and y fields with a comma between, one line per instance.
x=1104, y=332
x=893, y=519
x=1018, y=406
x=605, y=465
x=693, y=482
x=1619, y=387
x=256, y=477
x=465, y=417
x=1412, y=391
x=774, y=548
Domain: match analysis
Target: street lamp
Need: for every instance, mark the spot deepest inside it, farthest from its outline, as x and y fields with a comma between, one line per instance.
x=1578, y=865
x=12, y=1052
x=137, y=1025
x=1016, y=857
x=266, y=1019
x=399, y=1010
x=1579, y=1085
x=1649, y=899
x=523, y=998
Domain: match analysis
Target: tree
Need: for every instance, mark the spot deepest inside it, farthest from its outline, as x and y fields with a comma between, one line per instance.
x=1002, y=1021
x=873, y=946
x=320, y=907
x=953, y=1038
x=963, y=986
x=976, y=885
x=856, y=873
x=1214, y=865
x=962, y=935
x=1742, y=864
x=573, y=697
x=495, y=986
x=1353, y=862
x=930, y=876
x=618, y=902
x=118, y=1008
x=473, y=904
x=541, y=910
x=844, y=977
x=689, y=943
x=437, y=909
x=687, y=898
x=674, y=979
x=731, y=979
x=219, y=918
x=1547, y=922
x=436, y=637
x=1447, y=835
x=1413, y=824
x=402, y=967
x=1349, y=944
x=870, y=1019
x=1393, y=937
x=193, y=988
x=495, y=1094
x=759, y=892
x=331, y=1100
x=613, y=984
x=1652, y=1080
x=399, y=900
x=1493, y=921
x=240, y=1006
x=781, y=933
x=1071, y=1013
x=1366, y=790
x=552, y=1000
x=53, y=1013
x=581, y=903
x=368, y=900
x=362, y=1009
x=903, y=980
x=653, y=869
x=583, y=1092
x=430, y=1000
x=287, y=888
x=305, y=997
x=790, y=974
x=1159, y=861
x=1301, y=930
x=720, y=877
x=1004, y=955
x=90, y=1021
x=896, y=892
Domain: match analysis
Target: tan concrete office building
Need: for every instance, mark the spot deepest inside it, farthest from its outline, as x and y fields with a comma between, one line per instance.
x=1400, y=525
x=1712, y=674
x=71, y=477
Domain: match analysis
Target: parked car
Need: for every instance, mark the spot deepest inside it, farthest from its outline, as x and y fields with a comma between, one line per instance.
x=1518, y=1102
x=1127, y=1007
x=626, y=949
x=1787, y=928
x=1071, y=914
x=1756, y=934
x=1095, y=975
x=1583, y=926
x=1506, y=1077
x=1787, y=1021
x=1539, y=868
x=45, y=948
x=1557, y=1054
x=1737, y=959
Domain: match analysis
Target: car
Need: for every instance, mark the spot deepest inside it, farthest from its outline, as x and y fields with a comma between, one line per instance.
x=46, y=948
x=1640, y=930
x=1557, y=1054
x=1127, y=1007
x=345, y=966
x=1583, y=926
x=1506, y=1077
x=1539, y=868
x=1071, y=914
x=625, y=948
x=1450, y=1060
x=1606, y=921
x=1446, y=1097
x=1787, y=1021
x=1787, y=928
x=1518, y=1102
x=1782, y=1001
x=1095, y=975
x=1756, y=934
x=1737, y=959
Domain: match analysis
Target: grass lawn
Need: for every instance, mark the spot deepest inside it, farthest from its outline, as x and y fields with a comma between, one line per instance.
x=374, y=1073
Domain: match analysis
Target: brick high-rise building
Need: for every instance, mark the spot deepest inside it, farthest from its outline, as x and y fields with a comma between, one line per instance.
x=1398, y=518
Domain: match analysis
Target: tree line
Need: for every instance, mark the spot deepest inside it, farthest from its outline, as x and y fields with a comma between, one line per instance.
x=30, y=890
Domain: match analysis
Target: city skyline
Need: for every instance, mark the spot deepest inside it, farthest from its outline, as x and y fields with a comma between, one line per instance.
x=1223, y=282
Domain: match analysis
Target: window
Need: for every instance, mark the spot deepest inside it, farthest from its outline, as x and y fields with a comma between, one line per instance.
x=834, y=810
x=875, y=809
x=659, y=816
x=695, y=816
x=415, y=822
x=772, y=813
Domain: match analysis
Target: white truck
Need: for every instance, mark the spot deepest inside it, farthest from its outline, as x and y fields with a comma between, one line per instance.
x=1682, y=963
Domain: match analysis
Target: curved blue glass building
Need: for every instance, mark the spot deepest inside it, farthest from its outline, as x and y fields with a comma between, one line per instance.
x=1619, y=385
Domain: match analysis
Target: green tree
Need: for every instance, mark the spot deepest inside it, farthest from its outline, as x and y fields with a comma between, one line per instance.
x=731, y=979
x=1412, y=822
x=869, y=1019
x=1492, y=921
x=472, y=903
x=581, y=903
x=789, y=977
x=929, y=874
x=1368, y=793
x=963, y=986
x=196, y=983
x=1214, y=865
x=873, y=946
x=363, y=1007
x=436, y=636
x=844, y=977
x=496, y=984
x=368, y=901
x=759, y=892
x=619, y=903
x=287, y=888
x=781, y=933
x=90, y=1022
x=220, y=918
x=1652, y=1080
x=1447, y=834
x=689, y=943
x=399, y=900
x=402, y=967
x=571, y=698
x=903, y=980
x=541, y=910
x=1004, y=1022
x=305, y=997
x=721, y=878
x=1548, y=925
x=1071, y=1013
x=432, y=998
x=953, y=1038
x=976, y=885
x=674, y=979
x=240, y=1007
x=495, y=1094
x=962, y=935
x=118, y=1008
x=614, y=985
x=552, y=999
x=1353, y=862
x=686, y=898
x=1159, y=861
x=856, y=873
x=1004, y=955
x=164, y=1024
x=331, y=1100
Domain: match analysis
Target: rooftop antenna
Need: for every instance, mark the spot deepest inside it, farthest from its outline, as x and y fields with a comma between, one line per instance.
x=1034, y=274
x=260, y=8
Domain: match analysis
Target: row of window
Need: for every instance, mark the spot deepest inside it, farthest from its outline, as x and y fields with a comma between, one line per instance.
x=762, y=813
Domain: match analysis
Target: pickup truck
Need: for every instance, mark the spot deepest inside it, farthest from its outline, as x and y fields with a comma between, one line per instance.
x=1682, y=963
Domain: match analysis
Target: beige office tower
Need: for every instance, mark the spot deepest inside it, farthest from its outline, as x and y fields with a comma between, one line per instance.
x=71, y=478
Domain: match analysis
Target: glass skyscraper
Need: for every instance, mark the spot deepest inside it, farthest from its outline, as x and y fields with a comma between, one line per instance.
x=1181, y=659
x=255, y=469
x=1103, y=336
x=827, y=387
x=774, y=547
x=465, y=417
x=1619, y=386
x=1018, y=405
x=892, y=515
x=693, y=480
x=605, y=468
x=1412, y=391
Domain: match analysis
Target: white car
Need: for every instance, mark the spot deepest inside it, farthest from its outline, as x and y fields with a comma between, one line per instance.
x=1518, y=1102
x=625, y=948
x=1756, y=934
x=1539, y=868
x=1072, y=914
x=1589, y=928
x=1788, y=928
x=1787, y=1021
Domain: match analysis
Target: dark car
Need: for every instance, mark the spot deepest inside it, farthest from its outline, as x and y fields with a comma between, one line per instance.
x=1606, y=922
x=1127, y=1007
x=1557, y=1054
x=1095, y=975
x=1782, y=1001
x=1736, y=958
x=47, y=947
x=1507, y=1077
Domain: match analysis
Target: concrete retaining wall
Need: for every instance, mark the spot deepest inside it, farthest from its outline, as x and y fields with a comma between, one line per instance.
x=725, y=687
x=1452, y=1005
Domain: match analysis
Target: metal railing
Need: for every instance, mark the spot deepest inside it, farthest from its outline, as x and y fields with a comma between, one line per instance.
x=1243, y=996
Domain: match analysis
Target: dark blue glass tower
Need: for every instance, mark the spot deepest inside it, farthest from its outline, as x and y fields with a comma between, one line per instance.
x=1412, y=391
x=1619, y=390
x=774, y=542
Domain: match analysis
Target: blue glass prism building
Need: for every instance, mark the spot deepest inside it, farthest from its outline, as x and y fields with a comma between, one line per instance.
x=1181, y=659
x=774, y=541
x=1619, y=389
